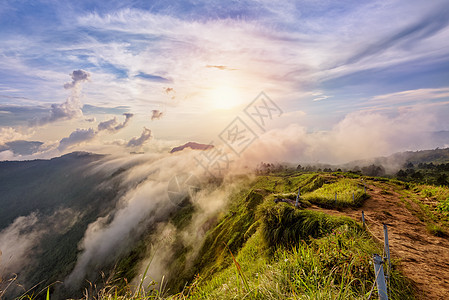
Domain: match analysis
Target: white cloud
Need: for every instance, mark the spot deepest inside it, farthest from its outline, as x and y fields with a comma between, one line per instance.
x=418, y=95
x=72, y=107
x=280, y=49
x=77, y=137
x=112, y=125
x=142, y=139
x=156, y=114
x=359, y=135
x=16, y=242
x=8, y=134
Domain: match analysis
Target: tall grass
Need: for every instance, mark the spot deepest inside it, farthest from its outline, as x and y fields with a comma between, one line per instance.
x=335, y=266
x=343, y=193
x=263, y=250
x=282, y=224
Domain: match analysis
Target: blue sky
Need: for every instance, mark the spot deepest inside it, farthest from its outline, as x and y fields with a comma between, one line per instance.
x=333, y=67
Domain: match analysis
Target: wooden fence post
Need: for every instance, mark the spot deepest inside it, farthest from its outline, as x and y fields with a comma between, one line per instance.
x=387, y=251
x=297, y=198
x=380, y=277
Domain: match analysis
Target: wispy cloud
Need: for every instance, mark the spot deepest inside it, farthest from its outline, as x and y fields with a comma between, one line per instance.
x=411, y=34
x=77, y=137
x=112, y=125
x=418, y=95
x=296, y=48
x=72, y=107
x=156, y=114
x=9, y=134
x=219, y=67
x=142, y=139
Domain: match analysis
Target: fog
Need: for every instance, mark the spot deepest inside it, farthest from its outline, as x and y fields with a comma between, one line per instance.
x=146, y=203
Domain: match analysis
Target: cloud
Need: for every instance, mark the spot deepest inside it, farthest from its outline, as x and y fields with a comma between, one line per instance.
x=156, y=114
x=107, y=125
x=417, y=95
x=428, y=26
x=78, y=76
x=72, y=107
x=9, y=134
x=146, y=204
x=220, y=67
x=17, y=242
x=77, y=137
x=319, y=96
x=105, y=239
x=21, y=147
x=169, y=90
x=360, y=135
x=151, y=77
x=128, y=117
x=21, y=239
x=112, y=125
x=91, y=109
x=282, y=52
x=7, y=155
x=91, y=120
x=139, y=141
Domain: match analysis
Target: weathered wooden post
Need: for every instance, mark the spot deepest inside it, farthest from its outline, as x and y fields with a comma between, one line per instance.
x=297, y=198
x=387, y=251
x=380, y=277
x=335, y=198
x=363, y=219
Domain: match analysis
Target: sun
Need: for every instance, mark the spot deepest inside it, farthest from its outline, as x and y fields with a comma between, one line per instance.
x=225, y=97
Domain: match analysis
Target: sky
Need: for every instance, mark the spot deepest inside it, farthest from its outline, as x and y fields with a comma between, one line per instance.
x=325, y=81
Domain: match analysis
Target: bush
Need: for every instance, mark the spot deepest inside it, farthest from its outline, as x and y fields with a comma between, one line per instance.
x=282, y=224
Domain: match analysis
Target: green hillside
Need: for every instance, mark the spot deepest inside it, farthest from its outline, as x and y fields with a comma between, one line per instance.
x=263, y=249
x=258, y=247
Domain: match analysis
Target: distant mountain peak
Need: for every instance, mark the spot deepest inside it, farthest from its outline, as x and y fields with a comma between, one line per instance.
x=79, y=154
x=192, y=145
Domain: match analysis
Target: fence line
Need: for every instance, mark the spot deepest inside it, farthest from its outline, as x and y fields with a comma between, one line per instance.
x=383, y=282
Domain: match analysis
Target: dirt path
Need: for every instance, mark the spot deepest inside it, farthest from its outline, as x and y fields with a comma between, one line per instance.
x=424, y=257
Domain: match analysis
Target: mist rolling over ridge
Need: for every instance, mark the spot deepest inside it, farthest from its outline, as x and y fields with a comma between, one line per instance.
x=88, y=211
x=198, y=149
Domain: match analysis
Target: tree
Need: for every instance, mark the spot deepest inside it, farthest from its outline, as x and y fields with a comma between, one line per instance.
x=418, y=176
x=409, y=165
x=401, y=174
x=442, y=179
x=373, y=170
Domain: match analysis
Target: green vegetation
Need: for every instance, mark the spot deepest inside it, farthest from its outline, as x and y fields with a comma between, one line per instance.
x=284, y=225
x=427, y=167
x=342, y=193
x=260, y=249
x=427, y=202
x=290, y=253
x=335, y=266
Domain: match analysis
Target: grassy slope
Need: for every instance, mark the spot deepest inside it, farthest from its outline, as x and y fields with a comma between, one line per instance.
x=432, y=204
x=262, y=250
x=290, y=253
